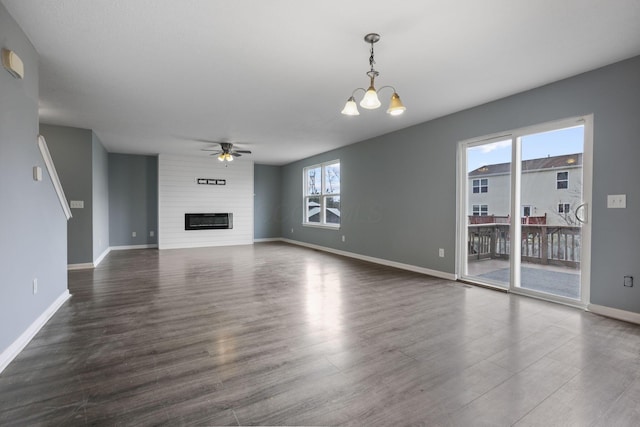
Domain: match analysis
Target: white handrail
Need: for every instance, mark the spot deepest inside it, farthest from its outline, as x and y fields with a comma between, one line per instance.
x=48, y=161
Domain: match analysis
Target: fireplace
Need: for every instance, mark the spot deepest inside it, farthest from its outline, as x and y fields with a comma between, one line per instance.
x=208, y=221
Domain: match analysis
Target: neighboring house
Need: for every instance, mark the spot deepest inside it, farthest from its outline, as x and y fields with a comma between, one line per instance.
x=551, y=186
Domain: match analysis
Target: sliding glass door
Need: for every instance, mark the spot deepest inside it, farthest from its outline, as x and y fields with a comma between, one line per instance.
x=552, y=186
x=488, y=211
x=524, y=210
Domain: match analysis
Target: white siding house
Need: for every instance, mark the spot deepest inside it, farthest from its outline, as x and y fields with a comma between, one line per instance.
x=551, y=186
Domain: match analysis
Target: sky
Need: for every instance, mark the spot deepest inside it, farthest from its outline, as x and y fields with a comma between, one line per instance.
x=535, y=146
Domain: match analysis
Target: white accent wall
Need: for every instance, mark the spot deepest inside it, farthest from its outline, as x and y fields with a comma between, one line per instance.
x=179, y=193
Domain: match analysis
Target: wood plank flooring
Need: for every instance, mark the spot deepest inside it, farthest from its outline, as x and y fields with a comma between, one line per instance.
x=274, y=334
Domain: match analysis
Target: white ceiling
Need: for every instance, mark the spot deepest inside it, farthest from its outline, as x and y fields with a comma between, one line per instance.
x=156, y=76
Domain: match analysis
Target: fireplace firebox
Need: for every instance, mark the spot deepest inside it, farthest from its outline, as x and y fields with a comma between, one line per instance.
x=208, y=221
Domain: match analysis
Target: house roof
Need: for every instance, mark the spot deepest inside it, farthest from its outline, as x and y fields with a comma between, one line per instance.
x=555, y=162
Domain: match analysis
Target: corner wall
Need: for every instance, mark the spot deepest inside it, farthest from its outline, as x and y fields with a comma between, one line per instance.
x=100, y=198
x=410, y=211
x=133, y=200
x=33, y=235
x=71, y=151
x=267, y=196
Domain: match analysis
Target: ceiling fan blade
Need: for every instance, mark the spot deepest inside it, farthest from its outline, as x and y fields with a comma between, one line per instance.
x=243, y=151
x=209, y=149
x=236, y=154
x=214, y=142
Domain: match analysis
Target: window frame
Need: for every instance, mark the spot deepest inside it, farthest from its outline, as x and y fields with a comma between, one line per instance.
x=478, y=186
x=323, y=195
x=565, y=181
x=564, y=208
x=480, y=210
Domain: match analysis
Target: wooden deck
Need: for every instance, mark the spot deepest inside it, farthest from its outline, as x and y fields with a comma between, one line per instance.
x=551, y=279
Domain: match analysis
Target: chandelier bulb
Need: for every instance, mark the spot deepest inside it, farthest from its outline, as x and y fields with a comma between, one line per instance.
x=395, y=106
x=350, y=108
x=370, y=100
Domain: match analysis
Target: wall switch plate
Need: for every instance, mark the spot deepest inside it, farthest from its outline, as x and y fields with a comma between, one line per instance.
x=134, y=234
x=617, y=201
x=343, y=237
x=76, y=204
x=441, y=252
x=152, y=233
x=628, y=281
x=37, y=173
x=35, y=286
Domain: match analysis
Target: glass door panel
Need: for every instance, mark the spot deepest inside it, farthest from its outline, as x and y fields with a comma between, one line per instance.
x=488, y=201
x=551, y=194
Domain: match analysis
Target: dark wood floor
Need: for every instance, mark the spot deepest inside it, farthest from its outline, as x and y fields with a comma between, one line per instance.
x=277, y=334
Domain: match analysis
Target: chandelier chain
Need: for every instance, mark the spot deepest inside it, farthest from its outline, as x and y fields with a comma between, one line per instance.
x=371, y=60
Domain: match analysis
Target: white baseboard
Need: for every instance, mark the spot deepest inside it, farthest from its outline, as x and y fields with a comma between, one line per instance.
x=122, y=248
x=627, y=316
x=381, y=261
x=101, y=257
x=268, y=239
x=104, y=254
x=19, y=344
x=203, y=245
x=80, y=266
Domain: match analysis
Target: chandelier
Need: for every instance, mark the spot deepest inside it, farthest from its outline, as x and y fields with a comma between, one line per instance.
x=370, y=99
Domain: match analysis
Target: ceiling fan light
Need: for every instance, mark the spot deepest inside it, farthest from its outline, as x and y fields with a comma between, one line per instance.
x=370, y=100
x=350, y=108
x=395, y=106
x=221, y=157
x=229, y=157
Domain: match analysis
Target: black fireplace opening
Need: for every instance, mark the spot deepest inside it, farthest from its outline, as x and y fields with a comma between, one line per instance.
x=208, y=221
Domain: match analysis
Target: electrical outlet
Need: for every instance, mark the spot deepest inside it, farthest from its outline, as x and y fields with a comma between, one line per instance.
x=133, y=234
x=343, y=237
x=628, y=281
x=441, y=252
x=292, y=230
x=35, y=286
x=152, y=233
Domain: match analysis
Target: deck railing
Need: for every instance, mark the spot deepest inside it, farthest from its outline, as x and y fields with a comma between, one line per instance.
x=499, y=219
x=541, y=243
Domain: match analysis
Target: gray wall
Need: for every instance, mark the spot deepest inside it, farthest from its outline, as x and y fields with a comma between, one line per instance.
x=32, y=223
x=71, y=150
x=410, y=211
x=266, y=207
x=100, y=196
x=133, y=199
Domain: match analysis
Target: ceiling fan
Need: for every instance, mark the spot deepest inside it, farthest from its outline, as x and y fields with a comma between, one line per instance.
x=226, y=151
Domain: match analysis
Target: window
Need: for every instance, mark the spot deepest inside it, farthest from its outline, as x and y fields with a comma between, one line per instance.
x=562, y=180
x=526, y=211
x=481, y=185
x=564, y=208
x=322, y=194
x=480, y=210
